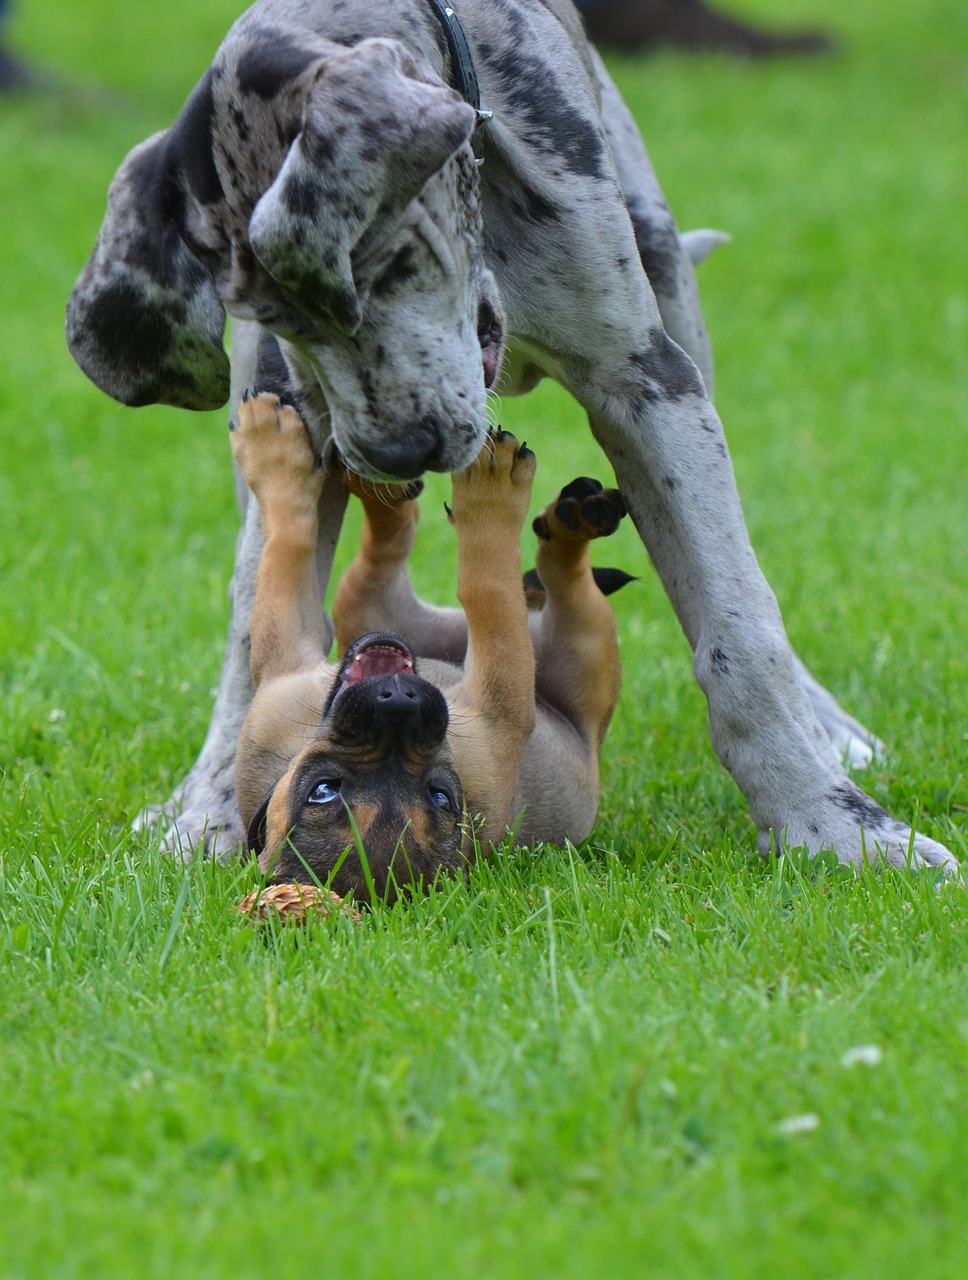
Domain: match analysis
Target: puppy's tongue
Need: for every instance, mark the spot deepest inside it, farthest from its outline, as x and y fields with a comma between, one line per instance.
x=378, y=660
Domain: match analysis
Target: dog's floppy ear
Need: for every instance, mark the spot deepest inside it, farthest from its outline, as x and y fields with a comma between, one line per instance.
x=144, y=321
x=372, y=136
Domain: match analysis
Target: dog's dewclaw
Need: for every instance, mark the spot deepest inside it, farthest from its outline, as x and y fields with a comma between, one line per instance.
x=293, y=903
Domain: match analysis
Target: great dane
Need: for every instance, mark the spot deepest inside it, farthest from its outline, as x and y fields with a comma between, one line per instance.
x=321, y=185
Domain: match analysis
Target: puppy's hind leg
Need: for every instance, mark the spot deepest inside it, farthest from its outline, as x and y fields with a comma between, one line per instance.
x=375, y=592
x=576, y=643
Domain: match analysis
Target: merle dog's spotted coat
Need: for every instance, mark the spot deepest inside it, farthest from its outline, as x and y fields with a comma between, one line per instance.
x=320, y=187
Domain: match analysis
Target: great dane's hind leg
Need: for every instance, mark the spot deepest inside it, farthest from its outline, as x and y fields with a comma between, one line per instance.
x=853, y=743
x=651, y=412
x=670, y=457
x=376, y=594
x=667, y=263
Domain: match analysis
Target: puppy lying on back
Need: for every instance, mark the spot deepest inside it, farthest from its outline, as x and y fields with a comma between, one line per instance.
x=392, y=744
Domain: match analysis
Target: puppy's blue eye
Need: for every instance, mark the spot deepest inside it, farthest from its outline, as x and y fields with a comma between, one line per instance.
x=439, y=799
x=324, y=791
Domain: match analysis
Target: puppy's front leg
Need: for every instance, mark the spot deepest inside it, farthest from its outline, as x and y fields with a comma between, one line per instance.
x=493, y=711
x=288, y=630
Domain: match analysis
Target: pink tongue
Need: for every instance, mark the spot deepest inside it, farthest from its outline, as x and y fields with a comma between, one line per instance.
x=377, y=660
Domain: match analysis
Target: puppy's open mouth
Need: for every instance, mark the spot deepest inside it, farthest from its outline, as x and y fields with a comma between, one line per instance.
x=373, y=655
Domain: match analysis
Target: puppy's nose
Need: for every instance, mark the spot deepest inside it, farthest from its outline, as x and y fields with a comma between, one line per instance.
x=394, y=698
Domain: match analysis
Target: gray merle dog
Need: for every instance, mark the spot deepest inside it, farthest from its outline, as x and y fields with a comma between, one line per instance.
x=320, y=185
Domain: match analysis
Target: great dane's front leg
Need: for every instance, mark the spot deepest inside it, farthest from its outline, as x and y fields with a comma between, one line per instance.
x=202, y=813
x=666, y=443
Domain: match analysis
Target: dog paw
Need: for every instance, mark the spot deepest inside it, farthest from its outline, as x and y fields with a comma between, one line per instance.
x=202, y=817
x=855, y=745
x=860, y=832
x=498, y=482
x=584, y=510
x=272, y=447
x=186, y=833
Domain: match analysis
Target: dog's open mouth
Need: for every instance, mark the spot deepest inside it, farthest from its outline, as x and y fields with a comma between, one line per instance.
x=383, y=657
x=373, y=655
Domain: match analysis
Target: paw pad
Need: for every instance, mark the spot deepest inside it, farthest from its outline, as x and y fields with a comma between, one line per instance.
x=584, y=506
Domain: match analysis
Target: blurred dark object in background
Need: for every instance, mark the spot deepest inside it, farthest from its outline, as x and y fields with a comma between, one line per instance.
x=14, y=74
x=634, y=25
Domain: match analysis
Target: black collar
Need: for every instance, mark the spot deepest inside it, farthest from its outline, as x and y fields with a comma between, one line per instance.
x=464, y=70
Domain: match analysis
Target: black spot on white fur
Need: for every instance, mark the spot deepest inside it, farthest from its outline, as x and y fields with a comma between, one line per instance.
x=868, y=812
x=269, y=64
x=719, y=660
x=667, y=372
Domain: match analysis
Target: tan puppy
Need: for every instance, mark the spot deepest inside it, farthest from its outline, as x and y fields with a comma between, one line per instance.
x=370, y=748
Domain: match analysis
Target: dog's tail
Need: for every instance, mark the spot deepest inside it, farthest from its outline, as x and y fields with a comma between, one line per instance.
x=699, y=244
x=608, y=582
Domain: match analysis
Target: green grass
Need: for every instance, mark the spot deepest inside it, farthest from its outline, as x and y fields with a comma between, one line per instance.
x=581, y=1063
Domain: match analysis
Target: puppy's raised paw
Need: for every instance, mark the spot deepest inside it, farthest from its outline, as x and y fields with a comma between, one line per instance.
x=272, y=446
x=584, y=510
x=497, y=485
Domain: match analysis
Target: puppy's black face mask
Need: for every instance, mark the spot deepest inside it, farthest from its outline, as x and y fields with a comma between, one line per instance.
x=379, y=772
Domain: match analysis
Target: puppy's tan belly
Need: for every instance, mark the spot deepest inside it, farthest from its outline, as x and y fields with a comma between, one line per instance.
x=559, y=785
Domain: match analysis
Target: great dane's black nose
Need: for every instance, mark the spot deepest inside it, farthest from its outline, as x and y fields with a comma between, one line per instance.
x=410, y=456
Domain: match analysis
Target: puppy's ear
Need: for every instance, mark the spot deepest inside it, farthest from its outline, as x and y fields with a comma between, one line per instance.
x=372, y=136
x=257, y=833
x=144, y=321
